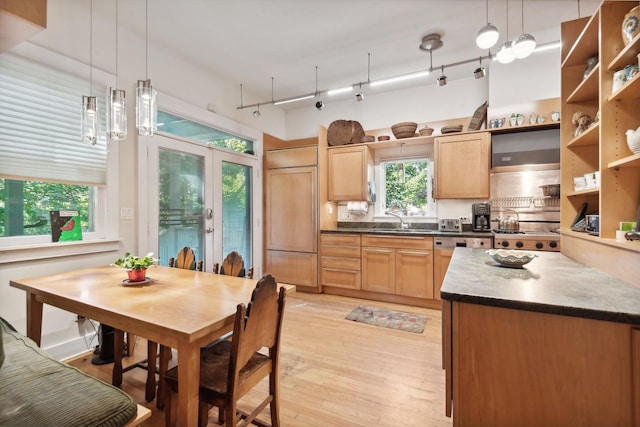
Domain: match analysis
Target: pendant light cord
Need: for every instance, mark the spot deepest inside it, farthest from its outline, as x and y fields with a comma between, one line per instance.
x=116, y=44
x=146, y=38
x=522, y=17
x=91, y=48
x=316, y=81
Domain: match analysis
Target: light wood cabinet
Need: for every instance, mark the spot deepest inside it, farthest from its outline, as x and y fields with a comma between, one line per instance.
x=603, y=146
x=350, y=174
x=441, y=260
x=19, y=20
x=291, y=216
x=577, y=371
x=398, y=265
x=462, y=165
x=340, y=260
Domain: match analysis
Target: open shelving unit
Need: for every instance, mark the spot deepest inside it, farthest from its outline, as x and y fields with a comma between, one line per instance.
x=602, y=147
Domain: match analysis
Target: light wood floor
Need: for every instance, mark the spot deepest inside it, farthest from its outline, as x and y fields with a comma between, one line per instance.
x=335, y=372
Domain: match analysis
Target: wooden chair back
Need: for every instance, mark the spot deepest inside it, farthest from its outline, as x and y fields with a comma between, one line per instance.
x=233, y=265
x=186, y=259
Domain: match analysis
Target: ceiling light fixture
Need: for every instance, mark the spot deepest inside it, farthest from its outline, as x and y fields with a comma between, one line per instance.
x=360, y=94
x=89, y=116
x=505, y=54
x=442, y=80
x=480, y=72
x=288, y=100
x=488, y=35
x=146, y=107
x=256, y=113
x=116, y=104
x=526, y=43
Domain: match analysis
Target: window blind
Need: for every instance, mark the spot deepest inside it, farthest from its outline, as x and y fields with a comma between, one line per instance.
x=40, y=110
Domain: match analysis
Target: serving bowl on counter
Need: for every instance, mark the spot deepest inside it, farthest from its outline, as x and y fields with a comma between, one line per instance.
x=511, y=258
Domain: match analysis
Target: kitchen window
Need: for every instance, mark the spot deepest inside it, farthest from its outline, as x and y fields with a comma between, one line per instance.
x=407, y=187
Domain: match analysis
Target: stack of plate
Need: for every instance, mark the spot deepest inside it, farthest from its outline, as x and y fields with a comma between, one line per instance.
x=451, y=129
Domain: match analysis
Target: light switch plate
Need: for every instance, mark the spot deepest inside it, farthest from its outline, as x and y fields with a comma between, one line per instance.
x=126, y=213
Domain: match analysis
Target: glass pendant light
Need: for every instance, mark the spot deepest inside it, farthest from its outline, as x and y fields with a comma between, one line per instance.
x=89, y=119
x=146, y=107
x=525, y=44
x=488, y=35
x=116, y=104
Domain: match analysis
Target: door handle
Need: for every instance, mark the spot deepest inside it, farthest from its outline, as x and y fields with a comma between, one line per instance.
x=209, y=230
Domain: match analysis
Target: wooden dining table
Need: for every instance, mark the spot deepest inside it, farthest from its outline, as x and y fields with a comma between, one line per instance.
x=182, y=309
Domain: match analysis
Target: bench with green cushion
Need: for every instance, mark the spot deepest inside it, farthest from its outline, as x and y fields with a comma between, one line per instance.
x=38, y=390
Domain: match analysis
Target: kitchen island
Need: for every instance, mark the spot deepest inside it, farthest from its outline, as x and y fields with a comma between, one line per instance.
x=555, y=343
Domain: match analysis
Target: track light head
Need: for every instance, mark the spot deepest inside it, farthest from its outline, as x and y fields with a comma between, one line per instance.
x=359, y=96
x=442, y=80
x=256, y=114
x=319, y=105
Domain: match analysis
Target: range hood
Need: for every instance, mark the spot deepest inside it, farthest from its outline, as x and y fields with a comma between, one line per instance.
x=533, y=150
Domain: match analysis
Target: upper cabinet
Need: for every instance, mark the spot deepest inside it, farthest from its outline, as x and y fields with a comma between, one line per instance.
x=350, y=174
x=19, y=20
x=602, y=147
x=462, y=166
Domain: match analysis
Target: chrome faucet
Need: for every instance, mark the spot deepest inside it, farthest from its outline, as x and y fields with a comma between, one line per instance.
x=403, y=225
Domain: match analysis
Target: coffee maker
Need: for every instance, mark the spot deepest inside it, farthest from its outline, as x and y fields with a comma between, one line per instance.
x=481, y=216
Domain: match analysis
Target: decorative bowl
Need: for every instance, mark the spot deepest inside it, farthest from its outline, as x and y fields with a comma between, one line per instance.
x=368, y=138
x=511, y=258
x=426, y=131
x=384, y=138
x=404, y=129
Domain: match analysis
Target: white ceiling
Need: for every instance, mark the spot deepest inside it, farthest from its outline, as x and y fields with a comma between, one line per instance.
x=250, y=41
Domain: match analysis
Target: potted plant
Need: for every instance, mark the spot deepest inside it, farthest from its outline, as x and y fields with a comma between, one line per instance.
x=136, y=266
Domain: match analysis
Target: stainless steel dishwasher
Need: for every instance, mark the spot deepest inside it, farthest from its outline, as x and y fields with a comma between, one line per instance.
x=443, y=250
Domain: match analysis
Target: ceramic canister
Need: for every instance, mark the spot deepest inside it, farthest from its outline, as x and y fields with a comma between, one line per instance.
x=631, y=25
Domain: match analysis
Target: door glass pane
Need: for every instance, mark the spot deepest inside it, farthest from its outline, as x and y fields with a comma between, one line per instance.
x=181, y=204
x=236, y=211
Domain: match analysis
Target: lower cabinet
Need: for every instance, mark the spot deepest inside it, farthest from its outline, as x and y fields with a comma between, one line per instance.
x=299, y=268
x=398, y=265
x=441, y=260
x=340, y=260
x=538, y=369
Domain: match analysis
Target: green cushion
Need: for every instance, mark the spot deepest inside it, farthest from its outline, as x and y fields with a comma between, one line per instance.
x=36, y=389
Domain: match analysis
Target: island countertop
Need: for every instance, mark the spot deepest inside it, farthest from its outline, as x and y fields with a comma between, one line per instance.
x=551, y=283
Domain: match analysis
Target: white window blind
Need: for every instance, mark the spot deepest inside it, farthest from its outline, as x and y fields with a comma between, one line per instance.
x=40, y=111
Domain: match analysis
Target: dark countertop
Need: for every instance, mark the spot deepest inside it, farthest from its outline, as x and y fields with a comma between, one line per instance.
x=409, y=232
x=551, y=283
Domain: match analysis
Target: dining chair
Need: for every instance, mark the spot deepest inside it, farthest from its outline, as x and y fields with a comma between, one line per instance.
x=231, y=368
x=233, y=265
x=186, y=259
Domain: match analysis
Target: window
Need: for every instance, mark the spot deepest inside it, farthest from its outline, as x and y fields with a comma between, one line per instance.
x=43, y=163
x=407, y=187
x=193, y=130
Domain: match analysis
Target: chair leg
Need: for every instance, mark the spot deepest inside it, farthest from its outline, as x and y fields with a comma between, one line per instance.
x=165, y=355
x=203, y=415
x=274, y=406
x=152, y=355
x=230, y=413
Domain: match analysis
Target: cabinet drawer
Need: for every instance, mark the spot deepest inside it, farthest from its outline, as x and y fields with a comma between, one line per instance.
x=340, y=239
x=340, y=278
x=341, y=251
x=340, y=263
x=408, y=242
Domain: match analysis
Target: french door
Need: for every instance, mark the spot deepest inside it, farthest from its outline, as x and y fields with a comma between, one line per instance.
x=201, y=197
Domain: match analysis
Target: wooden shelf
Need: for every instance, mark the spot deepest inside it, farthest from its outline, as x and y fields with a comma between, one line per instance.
x=632, y=161
x=626, y=56
x=588, y=137
x=392, y=143
x=524, y=128
x=630, y=90
x=587, y=192
x=628, y=245
x=588, y=89
x=586, y=44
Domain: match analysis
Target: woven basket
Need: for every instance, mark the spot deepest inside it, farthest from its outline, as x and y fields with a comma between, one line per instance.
x=404, y=130
x=342, y=132
x=426, y=131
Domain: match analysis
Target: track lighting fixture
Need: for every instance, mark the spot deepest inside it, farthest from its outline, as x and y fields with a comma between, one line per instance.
x=319, y=105
x=480, y=71
x=256, y=113
x=359, y=94
x=488, y=35
x=505, y=53
x=442, y=80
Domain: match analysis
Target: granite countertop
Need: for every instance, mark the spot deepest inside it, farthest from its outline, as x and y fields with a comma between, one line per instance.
x=550, y=283
x=407, y=232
